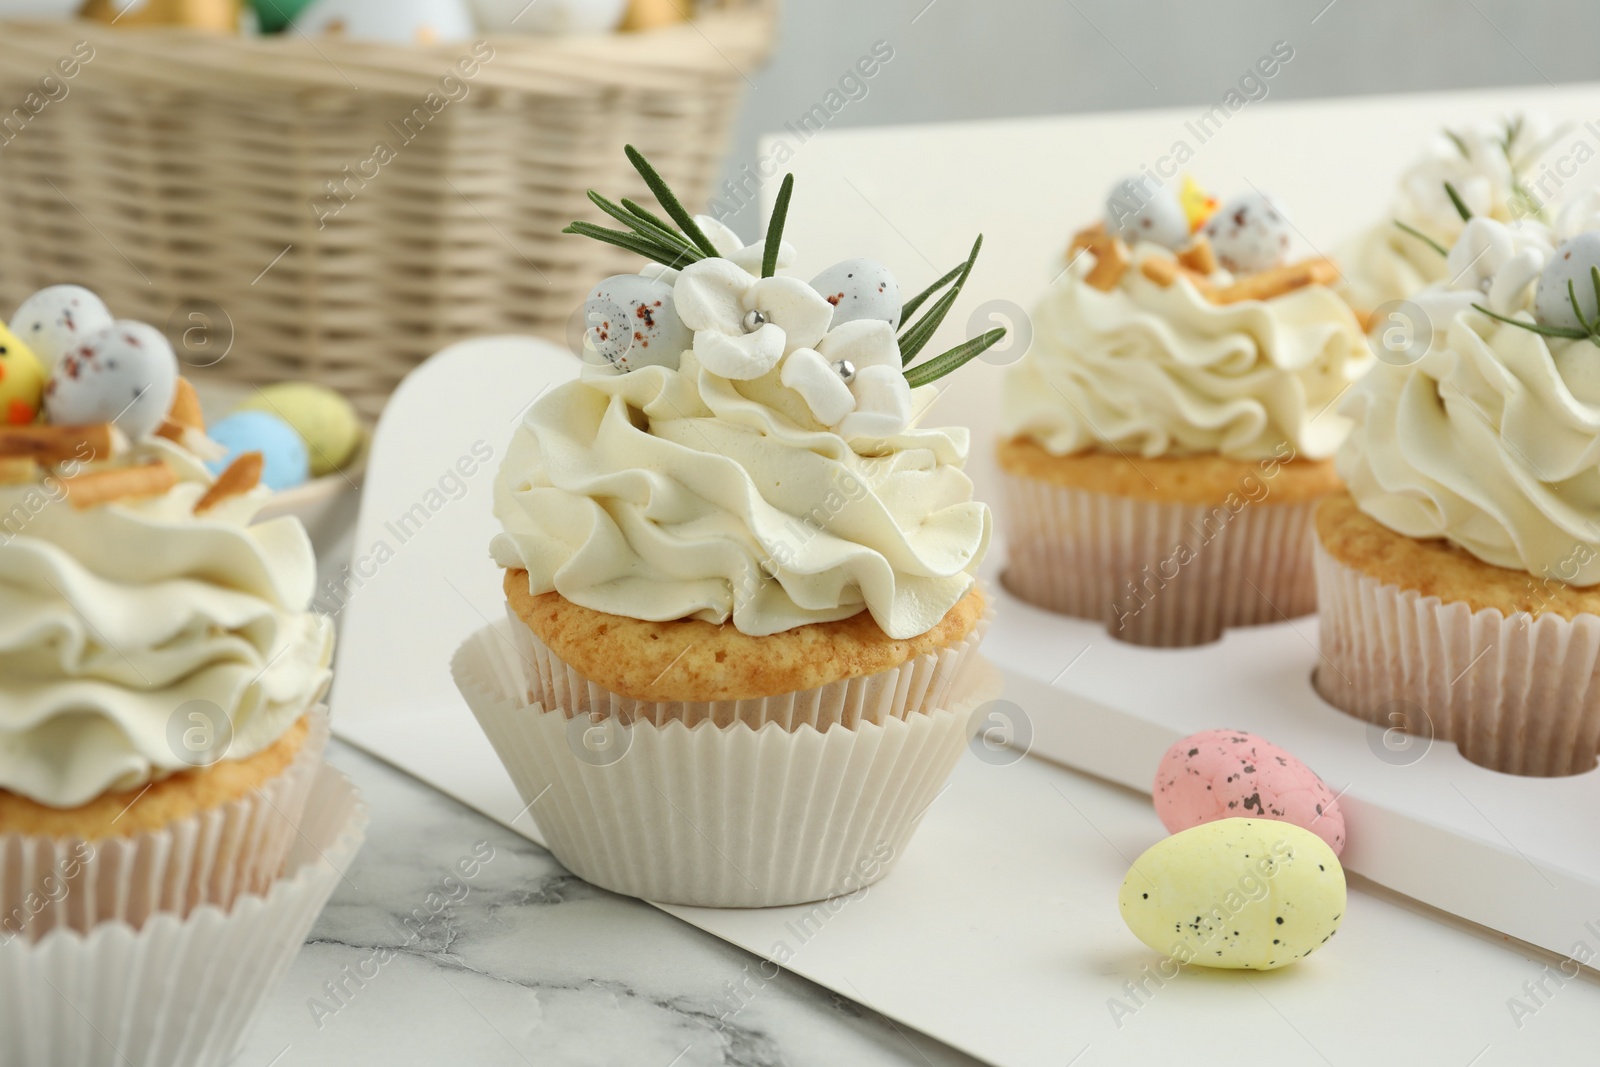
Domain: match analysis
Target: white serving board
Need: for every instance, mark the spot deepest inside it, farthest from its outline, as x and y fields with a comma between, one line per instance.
x=998, y=932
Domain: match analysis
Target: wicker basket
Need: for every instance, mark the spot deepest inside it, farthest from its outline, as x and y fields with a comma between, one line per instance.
x=186, y=179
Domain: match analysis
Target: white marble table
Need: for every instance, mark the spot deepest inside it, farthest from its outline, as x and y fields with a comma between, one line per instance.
x=527, y=964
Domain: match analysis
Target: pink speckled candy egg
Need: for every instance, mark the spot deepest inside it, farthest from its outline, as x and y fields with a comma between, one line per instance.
x=1227, y=774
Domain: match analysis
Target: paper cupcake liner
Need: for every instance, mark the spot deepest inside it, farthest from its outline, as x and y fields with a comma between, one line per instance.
x=920, y=685
x=179, y=992
x=1157, y=573
x=208, y=858
x=723, y=815
x=1518, y=694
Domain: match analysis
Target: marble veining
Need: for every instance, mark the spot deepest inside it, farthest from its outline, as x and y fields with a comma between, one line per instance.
x=453, y=940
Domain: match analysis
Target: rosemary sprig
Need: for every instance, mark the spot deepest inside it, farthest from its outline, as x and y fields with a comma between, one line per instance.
x=1513, y=131
x=645, y=228
x=1456, y=139
x=1591, y=327
x=1535, y=327
x=669, y=201
x=921, y=332
x=937, y=367
x=1424, y=238
x=911, y=306
x=1461, y=205
x=654, y=251
x=780, y=215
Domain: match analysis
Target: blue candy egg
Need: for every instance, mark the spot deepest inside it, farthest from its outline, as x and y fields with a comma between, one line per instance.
x=283, y=450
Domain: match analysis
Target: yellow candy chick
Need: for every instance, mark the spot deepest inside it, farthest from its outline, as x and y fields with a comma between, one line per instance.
x=1198, y=205
x=22, y=380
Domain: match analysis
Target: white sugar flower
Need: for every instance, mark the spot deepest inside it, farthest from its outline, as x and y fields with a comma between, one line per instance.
x=744, y=324
x=1498, y=260
x=852, y=380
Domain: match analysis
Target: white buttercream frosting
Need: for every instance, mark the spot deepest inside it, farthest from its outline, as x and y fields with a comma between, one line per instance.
x=114, y=619
x=679, y=493
x=1492, y=439
x=1151, y=370
x=1384, y=263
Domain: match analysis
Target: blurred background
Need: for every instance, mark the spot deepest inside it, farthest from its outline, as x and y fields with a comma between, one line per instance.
x=962, y=60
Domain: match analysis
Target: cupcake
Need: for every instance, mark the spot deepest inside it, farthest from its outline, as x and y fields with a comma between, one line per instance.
x=160, y=724
x=740, y=658
x=1490, y=166
x=1459, y=579
x=1170, y=431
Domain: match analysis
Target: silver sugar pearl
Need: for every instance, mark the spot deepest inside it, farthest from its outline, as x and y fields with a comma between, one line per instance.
x=846, y=370
x=754, y=320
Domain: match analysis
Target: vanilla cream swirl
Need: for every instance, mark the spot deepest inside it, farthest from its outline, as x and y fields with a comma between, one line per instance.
x=1153, y=371
x=1492, y=439
x=115, y=618
x=679, y=494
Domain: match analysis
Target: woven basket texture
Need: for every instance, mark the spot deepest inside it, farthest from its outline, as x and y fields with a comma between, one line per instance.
x=338, y=211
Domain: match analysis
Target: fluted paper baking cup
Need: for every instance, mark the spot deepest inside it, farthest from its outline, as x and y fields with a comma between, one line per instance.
x=721, y=815
x=1518, y=694
x=1157, y=573
x=210, y=857
x=178, y=992
x=919, y=685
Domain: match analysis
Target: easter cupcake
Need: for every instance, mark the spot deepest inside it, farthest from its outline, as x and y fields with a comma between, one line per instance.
x=160, y=725
x=741, y=655
x=1169, y=432
x=1493, y=167
x=1459, y=580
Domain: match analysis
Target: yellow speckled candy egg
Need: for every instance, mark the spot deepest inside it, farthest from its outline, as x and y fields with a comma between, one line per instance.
x=1239, y=893
x=326, y=420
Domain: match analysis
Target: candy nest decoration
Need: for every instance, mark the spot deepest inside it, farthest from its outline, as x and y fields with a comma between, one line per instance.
x=738, y=479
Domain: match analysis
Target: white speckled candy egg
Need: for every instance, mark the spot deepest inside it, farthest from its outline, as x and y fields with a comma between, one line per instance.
x=126, y=374
x=1225, y=774
x=1571, y=262
x=1239, y=893
x=860, y=289
x=1139, y=210
x=1250, y=233
x=632, y=322
x=58, y=318
x=392, y=21
x=548, y=16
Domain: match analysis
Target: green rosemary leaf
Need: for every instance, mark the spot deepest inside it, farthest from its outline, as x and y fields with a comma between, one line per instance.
x=780, y=215
x=1547, y=331
x=1513, y=131
x=651, y=250
x=1594, y=276
x=918, y=335
x=1461, y=146
x=669, y=200
x=1424, y=238
x=955, y=359
x=1572, y=295
x=1461, y=205
x=649, y=230
x=655, y=220
x=917, y=301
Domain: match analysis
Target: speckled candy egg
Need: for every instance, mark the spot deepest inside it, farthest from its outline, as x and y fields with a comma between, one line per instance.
x=325, y=420
x=632, y=322
x=22, y=379
x=1570, y=263
x=391, y=21
x=1139, y=210
x=1250, y=233
x=283, y=451
x=125, y=374
x=860, y=289
x=549, y=16
x=1225, y=774
x=58, y=318
x=1241, y=894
